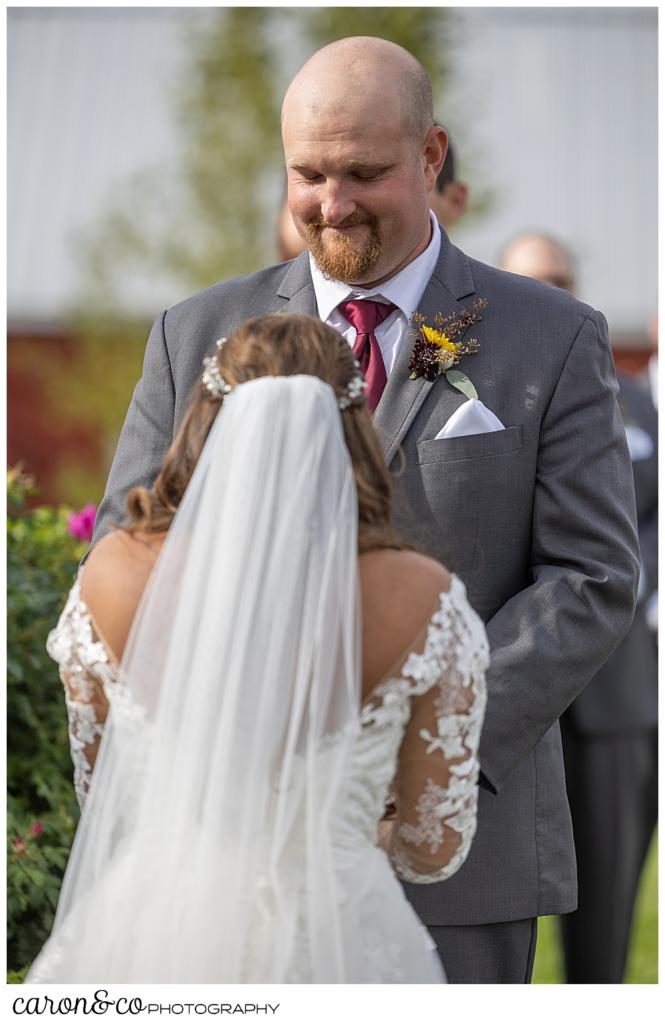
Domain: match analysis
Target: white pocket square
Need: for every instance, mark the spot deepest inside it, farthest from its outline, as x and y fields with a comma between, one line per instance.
x=471, y=418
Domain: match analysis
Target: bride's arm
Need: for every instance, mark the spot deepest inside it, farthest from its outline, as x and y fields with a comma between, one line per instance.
x=87, y=708
x=89, y=640
x=436, y=786
x=83, y=665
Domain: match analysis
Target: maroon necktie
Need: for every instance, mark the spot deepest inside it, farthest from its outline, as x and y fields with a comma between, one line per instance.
x=366, y=315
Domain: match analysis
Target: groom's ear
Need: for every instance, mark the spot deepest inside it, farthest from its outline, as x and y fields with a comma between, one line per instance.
x=434, y=154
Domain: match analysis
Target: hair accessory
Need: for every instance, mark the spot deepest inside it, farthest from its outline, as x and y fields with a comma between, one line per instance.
x=219, y=388
x=354, y=389
x=211, y=376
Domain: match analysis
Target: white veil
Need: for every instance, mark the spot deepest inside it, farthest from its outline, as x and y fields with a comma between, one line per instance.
x=204, y=852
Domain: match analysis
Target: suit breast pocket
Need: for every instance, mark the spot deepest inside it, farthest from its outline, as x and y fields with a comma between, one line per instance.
x=471, y=446
x=456, y=486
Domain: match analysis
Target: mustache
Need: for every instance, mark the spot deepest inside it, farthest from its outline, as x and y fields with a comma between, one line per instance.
x=319, y=223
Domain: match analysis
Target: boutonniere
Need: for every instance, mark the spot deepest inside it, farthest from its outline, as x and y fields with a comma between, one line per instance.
x=435, y=350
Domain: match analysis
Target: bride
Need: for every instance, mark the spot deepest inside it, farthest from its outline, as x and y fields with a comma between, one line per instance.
x=289, y=701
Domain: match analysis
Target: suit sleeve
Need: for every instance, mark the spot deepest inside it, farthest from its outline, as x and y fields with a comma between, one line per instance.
x=146, y=434
x=550, y=639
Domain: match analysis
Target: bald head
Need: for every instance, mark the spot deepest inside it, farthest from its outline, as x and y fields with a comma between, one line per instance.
x=368, y=75
x=541, y=256
x=362, y=156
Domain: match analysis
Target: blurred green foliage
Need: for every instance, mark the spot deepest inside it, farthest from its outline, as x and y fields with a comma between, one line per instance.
x=41, y=806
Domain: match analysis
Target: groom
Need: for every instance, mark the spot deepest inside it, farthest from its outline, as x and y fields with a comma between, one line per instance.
x=526, y=494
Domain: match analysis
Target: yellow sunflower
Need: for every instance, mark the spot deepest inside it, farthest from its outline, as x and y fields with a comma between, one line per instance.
x=439, y=338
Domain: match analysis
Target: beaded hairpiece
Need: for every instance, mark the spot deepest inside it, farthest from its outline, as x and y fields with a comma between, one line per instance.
x=211, y=376
x=218, y=387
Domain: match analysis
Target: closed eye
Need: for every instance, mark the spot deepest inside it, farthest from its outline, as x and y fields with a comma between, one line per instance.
x=360, y=173
x=307, y=174
x=368, y=173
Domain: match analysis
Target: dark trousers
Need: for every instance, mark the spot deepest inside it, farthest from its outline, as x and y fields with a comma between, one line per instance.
x=487, y=954
x=612, y=790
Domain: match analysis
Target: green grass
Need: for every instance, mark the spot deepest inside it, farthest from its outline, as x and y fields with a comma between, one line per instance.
x=17, y=977
x=643, y=952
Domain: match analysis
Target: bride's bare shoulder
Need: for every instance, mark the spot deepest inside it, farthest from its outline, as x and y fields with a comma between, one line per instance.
x=400, y=591
x=413, y=574
x=119, y=553
x=114, y=577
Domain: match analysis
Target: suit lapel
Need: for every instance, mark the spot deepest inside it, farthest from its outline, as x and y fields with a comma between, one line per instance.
x=297, y=288
x=400, y=402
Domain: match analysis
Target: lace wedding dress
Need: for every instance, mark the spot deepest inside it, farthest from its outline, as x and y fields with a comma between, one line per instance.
x=419, y=731
x=282, y=882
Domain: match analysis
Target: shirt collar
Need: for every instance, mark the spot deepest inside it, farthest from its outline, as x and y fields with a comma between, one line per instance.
x=404, y=290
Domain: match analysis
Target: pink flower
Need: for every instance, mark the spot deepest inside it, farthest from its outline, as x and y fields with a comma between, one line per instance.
x=19, y=845
x=36, y=830
x=80, y=524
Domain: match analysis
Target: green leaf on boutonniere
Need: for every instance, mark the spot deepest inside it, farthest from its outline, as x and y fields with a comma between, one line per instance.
x=462, y=383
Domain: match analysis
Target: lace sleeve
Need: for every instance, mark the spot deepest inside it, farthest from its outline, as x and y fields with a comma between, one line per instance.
x=436, y=786
x=85, y=668
x=87, y=708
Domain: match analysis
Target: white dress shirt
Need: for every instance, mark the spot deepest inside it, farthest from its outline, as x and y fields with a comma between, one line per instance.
x=404, y=290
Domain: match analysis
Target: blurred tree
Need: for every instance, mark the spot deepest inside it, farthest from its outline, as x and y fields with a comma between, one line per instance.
x=424, y=31
x=205, y=219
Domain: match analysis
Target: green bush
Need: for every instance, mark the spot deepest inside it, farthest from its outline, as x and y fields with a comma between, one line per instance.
x=42, y=812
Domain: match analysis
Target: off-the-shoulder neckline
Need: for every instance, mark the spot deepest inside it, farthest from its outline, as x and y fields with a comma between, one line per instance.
x=113, y=660
x=456, y=587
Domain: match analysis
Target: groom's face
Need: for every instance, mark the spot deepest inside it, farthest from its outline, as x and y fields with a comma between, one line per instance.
x=358, y=187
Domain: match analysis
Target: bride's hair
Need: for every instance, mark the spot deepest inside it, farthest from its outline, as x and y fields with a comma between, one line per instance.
x=278, y=345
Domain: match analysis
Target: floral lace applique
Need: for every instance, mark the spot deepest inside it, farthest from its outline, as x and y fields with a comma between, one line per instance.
x=430, y=811
x=91, y=684
x=84, y=729
x=441, y=692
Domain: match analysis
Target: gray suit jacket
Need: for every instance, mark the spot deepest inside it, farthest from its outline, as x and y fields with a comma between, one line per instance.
x=623, y=697
x=538, y=520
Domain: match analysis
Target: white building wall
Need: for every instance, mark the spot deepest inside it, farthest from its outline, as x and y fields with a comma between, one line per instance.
x=562, y=110
x=89, y=103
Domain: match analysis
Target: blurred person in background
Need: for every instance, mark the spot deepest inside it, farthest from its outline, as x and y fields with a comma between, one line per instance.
x=289, y=242
x=492, y=491
x=448, y=203
x=450, y=197
x=610, y=731
x=540, y=256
